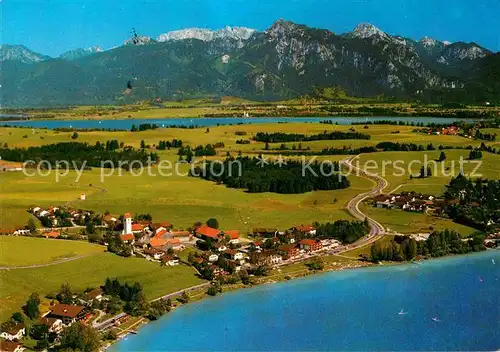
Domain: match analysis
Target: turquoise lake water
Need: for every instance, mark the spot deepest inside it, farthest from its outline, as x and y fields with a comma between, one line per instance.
x=355, y=310
x=207, y=122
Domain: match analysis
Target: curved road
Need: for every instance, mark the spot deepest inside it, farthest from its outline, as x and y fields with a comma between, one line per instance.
x=376, y=229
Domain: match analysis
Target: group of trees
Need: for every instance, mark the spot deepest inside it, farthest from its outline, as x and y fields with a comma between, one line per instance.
x=344, y=231
x=439, y=243
x=80, y=154
x=473, y=202
x=475, y=154
x=253, y=175
x=117, y=246
x=133, y=296
x=280, y=137
x=174, y=143
x=144, y=127
x=186, y=153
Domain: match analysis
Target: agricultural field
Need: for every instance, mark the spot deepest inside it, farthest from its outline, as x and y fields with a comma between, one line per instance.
x=24, y=251
x=184, y=200
x=18, y=284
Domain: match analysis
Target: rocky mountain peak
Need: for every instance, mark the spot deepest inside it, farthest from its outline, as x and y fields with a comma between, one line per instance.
x=206, y=35
x=367, y=30
x=20, y=53
x=428, y=42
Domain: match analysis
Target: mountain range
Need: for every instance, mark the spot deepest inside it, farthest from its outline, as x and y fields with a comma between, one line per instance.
x=285, y=61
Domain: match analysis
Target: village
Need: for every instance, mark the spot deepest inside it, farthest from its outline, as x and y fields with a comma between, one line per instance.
x=218, y=256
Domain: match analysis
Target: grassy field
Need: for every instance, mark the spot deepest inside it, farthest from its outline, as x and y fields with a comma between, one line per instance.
x=23, y=251
x=184, y=200
x=18, y=284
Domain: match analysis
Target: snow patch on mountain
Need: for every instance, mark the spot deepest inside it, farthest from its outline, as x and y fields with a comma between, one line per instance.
x=206, y=35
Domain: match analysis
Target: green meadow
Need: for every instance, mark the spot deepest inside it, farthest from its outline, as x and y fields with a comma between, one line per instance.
x=184, y=200
x=24, y=251
x=18, y=284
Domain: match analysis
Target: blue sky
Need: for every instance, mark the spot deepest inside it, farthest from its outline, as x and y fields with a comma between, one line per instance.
x=54, y=26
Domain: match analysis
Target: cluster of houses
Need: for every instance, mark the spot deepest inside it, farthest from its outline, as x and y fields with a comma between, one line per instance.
x=60, y=217
x=57, y=318
x=445, y=131
x=158, y=242
x=272, y=248
x=409, y=201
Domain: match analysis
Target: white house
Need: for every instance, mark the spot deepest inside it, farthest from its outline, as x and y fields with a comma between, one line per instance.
x=36, y=209
x=275, y=259
x=14, y=333
x=43, y=213
x=54, y=324
x=213, y=257
x=21, y=232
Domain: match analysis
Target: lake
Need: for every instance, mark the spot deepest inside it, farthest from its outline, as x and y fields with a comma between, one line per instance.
x=208, y=122
x=353, y=310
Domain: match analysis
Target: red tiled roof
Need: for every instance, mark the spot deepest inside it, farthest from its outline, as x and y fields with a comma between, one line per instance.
x=52, y=234
x=231, y=252
x=233, y=234
x=127, y=237
x=137, y=227
x=161, y=233
x=308, y=241
x=127, y=216
x=158, y=242
x=180, y=233
x=287, y=247
x=66, y=310
x=207, y=231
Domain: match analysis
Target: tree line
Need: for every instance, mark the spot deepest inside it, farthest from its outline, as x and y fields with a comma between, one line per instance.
x=438, y=244
x=280, y=137
x=79, y=154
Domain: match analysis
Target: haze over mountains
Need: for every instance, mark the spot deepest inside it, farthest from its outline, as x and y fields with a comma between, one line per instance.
x=286, y=60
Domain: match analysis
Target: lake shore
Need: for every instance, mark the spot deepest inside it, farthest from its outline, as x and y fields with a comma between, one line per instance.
x=396, y=269
x=330, y=267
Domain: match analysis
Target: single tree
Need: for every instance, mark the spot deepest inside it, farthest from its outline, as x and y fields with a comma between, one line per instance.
x=213, y=223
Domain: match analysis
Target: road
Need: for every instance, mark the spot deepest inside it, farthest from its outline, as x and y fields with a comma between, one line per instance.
x=107, y=323
x=376, y=229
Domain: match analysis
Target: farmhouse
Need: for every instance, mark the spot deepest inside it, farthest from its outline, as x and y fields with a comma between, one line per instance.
x=207, y=232
x=306, y=229
x=67, y=313
x=310, y=245
x=15, y=332
x=234, y=236
x=94, y=295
